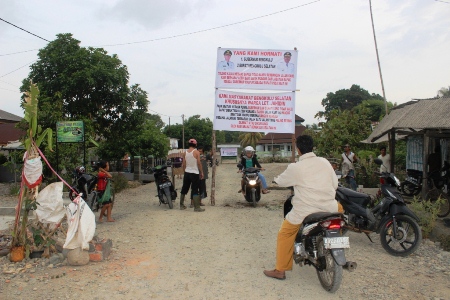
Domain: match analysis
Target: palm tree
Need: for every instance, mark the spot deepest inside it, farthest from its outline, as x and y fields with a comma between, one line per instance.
x=249, y=138
x=444, y=92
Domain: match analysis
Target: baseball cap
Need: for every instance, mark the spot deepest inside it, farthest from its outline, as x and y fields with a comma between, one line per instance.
x=192, y=141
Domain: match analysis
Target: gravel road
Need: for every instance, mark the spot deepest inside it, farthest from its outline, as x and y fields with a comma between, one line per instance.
x=218, y=254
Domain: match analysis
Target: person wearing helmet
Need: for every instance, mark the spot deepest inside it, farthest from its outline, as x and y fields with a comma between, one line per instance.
x=249, y=160
x=193, y=172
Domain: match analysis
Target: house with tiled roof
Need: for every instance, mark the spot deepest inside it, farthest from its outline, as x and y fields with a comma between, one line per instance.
x=280, y=142
x=8, y=130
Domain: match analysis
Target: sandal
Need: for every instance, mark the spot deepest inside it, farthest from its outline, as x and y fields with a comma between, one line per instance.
x=265, y=191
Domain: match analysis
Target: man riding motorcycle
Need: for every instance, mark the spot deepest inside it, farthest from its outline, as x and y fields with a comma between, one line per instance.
x=249, y=160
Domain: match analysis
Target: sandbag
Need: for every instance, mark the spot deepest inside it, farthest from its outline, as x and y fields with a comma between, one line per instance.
x=51, y=208
x=81, y=222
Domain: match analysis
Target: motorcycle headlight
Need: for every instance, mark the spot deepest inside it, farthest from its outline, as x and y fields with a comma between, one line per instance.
x=252, y=182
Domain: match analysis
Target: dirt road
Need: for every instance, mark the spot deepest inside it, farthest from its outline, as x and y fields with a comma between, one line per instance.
x=219, y=254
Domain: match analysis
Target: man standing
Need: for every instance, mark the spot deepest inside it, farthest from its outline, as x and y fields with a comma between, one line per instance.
x=286, y=66
x=348, y=169
x=386, y=159
x=193, y=172
x=226, y=64
x=315, y=185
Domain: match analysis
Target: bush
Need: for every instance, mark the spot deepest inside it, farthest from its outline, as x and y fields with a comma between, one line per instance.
x=14, y=189
x=120, y=182
x=427, y=212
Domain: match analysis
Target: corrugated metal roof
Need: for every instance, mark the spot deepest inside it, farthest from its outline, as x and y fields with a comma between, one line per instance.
x=415, y=115
x=6, y=117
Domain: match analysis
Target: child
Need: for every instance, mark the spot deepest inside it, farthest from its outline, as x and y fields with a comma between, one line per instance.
x=102, y=181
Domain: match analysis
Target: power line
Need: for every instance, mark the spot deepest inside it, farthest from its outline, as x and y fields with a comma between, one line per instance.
x=213, y=28
x=18, y=68
x=164, y=114
x=446, y=2
x=19, y=52
x=194, y=32
x=24, y=30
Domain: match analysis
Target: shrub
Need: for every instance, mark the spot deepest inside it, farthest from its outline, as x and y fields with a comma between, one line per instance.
x=120, y=182
x=427, y=212
x=14, y=189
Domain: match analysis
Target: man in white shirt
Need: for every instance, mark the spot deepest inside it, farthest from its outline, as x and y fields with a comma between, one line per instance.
x=386, y=159
x=315, y=184
x=226, y=64
x=286, y=66
x=348, y=169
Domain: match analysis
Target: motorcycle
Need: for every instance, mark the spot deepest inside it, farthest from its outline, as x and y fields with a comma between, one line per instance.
x=397, y=225
x=438, y=186
x=84, y=184
x=250, y=184
x=164, y=186
x=319, y=243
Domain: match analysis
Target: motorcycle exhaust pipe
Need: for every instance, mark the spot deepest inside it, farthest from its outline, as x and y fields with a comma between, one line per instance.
x=350, y=266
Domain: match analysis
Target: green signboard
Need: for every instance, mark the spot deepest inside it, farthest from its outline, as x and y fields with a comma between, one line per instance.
x=70, y=132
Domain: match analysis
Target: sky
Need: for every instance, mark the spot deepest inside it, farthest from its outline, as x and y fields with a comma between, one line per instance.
x=170, y=46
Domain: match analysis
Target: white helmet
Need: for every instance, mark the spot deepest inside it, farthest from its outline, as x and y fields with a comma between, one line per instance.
x=249, y=149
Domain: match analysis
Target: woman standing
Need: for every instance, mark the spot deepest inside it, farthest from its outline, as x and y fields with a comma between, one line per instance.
x=102, y=182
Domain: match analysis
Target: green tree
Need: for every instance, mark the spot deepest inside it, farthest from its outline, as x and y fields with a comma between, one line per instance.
x=444, y=92
x=376, y=109
x=87, y=84
x=345, y=99
x=194, y=127
x=250, y=138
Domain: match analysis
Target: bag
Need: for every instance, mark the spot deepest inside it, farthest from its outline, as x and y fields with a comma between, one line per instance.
x=107, y=194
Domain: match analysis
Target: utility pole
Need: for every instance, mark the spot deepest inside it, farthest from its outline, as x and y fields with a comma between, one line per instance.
x=378, y=58
x=182, y=116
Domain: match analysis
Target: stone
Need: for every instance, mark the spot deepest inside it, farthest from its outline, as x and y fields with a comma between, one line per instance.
x=78, y=257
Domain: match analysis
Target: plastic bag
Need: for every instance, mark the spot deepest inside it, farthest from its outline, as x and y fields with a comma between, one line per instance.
x=51, y=207
x=32, y=170
x=81, y=222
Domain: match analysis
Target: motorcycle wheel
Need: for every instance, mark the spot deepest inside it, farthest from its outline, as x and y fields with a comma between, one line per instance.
x=408, y=236
x=434, y=195
x=330, y=278
x=409, y=189
x=168, y=198
x=254, y=197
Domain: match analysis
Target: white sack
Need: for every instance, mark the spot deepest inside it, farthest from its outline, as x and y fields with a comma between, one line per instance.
x=81, y=222
x=51, y=207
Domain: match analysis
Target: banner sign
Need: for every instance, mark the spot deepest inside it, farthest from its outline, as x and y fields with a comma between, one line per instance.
x=70, y=132
x=255, y=112
x=256, y=69
x=228, y=152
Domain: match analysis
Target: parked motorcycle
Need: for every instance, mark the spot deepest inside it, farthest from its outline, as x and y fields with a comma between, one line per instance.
x=166, y=191
x=84, y=184
x=397, y=225
x=438, y=186
x=319, y=243
x=250, y=184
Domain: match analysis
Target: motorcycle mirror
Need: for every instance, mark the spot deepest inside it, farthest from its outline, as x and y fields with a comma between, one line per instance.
x=378, y=161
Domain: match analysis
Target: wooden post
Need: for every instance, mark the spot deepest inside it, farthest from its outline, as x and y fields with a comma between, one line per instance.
x=426, y=142
x=213, y=173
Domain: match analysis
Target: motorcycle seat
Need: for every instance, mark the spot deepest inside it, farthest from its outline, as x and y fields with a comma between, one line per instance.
x=352, y=196
x=412, y=172
x=318, y=216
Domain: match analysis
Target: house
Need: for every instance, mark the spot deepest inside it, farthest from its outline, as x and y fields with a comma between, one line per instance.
x=281, y=142
x=425, y=124
x=8, y=130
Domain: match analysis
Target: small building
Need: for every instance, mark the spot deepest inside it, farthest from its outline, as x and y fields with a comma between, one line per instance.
x=280, y=143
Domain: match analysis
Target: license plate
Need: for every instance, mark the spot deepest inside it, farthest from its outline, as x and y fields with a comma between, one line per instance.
x=166, y=184
x=336, y=242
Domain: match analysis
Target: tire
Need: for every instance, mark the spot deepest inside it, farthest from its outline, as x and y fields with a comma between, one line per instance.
x=409, y=189
x=254, y=197
x=92, y=201
x=330, y=278
x=408, y=237
x=168, y=197
x=434, y=195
